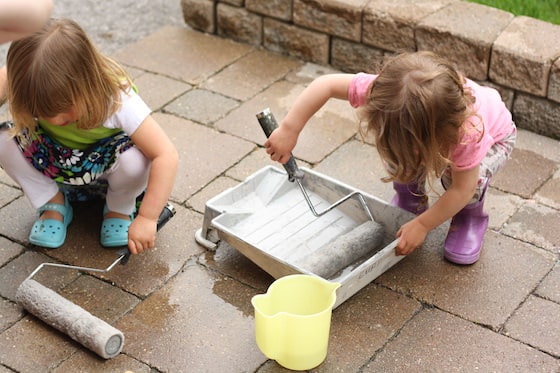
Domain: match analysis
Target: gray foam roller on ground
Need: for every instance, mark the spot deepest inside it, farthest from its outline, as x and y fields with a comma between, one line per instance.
x=69, y=318
x=344, y=250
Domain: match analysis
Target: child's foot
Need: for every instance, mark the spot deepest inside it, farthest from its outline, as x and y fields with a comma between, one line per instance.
x=49, y=230
x=53, y=214
x=466, y=232
x=114, y=230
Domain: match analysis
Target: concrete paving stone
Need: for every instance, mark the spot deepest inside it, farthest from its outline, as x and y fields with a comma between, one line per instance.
x=487, y=292
x=17, y=217
x=122, y=22
x=198, y=166
x=157, y=90
x=133, y=72
x=228, y=261
x=537, y=224
x=362, y=324
x=4, y=369
x=197, y=320
x=15, y=272
x=109, y=25
x=359, y=165
x=445, y=343
x=5, y=179
x=537, y=323
x=250, y=74
x=271, y=366
x=143, y=273
x=8, y=194
x=333, y=125
x=500, y=207
x=254, y=162
x=545, y=146
x=198, y=200
x=549, y=288
x=524, y=173
x=9, y=250
x=99, y=298
x=549, y=194
x=10, y=313
x=242, y=121
x=83, y=361
x=201, y=106
x=31, y=346
x=309, y=71
x=185, y=55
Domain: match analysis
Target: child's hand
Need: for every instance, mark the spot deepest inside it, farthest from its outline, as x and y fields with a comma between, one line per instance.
x=411, y=236
x=141, y=234
x=280, y=144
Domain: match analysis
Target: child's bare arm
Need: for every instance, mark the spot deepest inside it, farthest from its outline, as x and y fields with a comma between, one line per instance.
x=459, y=193
x=20, y=18
x=314, y=96
x=156, y=146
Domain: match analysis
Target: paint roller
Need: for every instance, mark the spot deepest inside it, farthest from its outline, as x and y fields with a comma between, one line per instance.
x=69, y=318
x=346, y=248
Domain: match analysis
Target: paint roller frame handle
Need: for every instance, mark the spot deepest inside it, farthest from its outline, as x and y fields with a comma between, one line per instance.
x=166, y=214
x=269, y=124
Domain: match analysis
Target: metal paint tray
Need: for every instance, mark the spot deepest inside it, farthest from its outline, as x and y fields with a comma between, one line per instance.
x=267, y=219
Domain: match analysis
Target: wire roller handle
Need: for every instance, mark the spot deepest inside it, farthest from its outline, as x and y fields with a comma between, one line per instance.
x=166, y=214
x=269, y=124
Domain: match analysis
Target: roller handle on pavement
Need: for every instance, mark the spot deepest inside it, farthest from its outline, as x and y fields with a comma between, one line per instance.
x=166, y=214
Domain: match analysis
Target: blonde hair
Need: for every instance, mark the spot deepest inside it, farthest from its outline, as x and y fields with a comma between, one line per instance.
x=58, y=68
x=416, y=109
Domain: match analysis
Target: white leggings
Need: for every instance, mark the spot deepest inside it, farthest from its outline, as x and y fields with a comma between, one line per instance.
x=127, y=178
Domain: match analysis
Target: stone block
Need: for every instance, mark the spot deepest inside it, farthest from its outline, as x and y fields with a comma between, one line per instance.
x=554, y=82
x=239, y=24
x=296, y=41
x=390, y=24
x=281, y=9
x=523, y=55
x=334, y=17
x=233, y=2
x=199, y=14
x=463, y=32
x=537, y=115
x=355, y=57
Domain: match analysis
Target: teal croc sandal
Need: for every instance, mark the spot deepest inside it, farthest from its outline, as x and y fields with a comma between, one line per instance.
x=51, y=233
x=114, y=231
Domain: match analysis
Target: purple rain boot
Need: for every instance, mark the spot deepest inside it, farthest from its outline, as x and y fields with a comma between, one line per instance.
x=467, y=229
x=410, y=197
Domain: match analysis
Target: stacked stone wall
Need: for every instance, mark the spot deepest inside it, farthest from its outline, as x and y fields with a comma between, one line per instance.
x=520, y=56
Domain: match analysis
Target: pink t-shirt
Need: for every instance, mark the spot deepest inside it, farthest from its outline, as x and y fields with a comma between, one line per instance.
x=496, y=120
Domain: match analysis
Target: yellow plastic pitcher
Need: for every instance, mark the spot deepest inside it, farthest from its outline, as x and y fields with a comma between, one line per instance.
x=293, y=320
